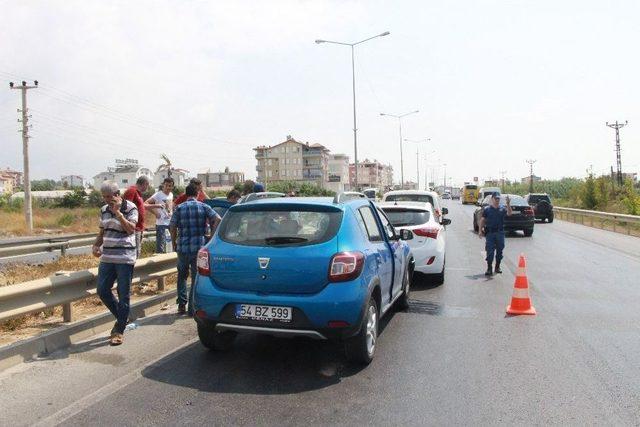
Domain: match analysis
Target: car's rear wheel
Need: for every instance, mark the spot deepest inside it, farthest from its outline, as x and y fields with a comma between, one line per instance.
x=476, y=228
x=403, y=301
x=362, y=347
x=438, y=278
x=550, y=219
x=215, y=340
x=528, y=232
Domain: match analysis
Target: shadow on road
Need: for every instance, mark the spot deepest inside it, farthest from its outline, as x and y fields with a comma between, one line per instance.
x=257, y=364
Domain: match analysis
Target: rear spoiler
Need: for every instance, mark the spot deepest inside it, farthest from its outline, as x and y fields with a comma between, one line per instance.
x=348, y=195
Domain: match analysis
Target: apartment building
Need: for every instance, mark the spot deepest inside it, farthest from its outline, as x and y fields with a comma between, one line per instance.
x=17, y=178
x=125, y=173
x=371, y=174
x=292, y=160
x=220, y=180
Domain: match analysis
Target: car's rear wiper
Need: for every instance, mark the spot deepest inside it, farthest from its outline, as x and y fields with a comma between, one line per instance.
x=284, y=239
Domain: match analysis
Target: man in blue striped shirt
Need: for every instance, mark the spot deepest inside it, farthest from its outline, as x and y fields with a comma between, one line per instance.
x=116, y=247
x=188, y=227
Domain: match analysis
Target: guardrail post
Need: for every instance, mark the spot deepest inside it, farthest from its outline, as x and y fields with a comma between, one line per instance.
x=67, y=312
x=63, y=250
x=161, y=283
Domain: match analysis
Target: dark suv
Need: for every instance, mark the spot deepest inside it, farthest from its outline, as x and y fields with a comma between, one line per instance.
x=541, y=204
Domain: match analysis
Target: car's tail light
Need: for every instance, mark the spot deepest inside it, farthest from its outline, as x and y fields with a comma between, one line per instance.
x=528, y=211
x=430, y=260
x=431, y=232
x=345, y=266
x=203, y=262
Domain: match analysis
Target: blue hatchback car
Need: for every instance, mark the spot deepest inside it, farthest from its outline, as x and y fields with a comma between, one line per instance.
x=321, y=268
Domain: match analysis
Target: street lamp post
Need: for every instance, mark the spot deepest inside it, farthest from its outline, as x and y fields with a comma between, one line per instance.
x=353, y=80
x=445, y=176
x=399, y=117
x=417, y=142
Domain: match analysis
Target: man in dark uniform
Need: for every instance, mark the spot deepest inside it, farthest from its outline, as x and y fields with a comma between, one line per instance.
x=492, y=227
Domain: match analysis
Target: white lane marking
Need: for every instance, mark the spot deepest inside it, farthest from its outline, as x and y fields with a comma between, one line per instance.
x=102, y=393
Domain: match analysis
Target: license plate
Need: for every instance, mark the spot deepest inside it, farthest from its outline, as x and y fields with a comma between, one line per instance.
x=263, y=312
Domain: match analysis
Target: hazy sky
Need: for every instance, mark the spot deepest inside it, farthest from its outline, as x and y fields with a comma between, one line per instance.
x=496, y=82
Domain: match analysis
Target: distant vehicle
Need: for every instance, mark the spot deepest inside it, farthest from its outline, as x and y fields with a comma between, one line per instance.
x=469, y=194
x=417, y=196
x=219, y=204
x=311, y=267
x=429, y=236
x=455, y=193
x=541, y=204
x=486, y=191
x=446, y=195
x=522, y=218
x=371, y=193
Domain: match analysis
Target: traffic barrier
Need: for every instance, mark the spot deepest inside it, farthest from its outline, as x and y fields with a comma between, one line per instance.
x=41, y=294
x=520, y=301
x=619, y=223
x=62, y=243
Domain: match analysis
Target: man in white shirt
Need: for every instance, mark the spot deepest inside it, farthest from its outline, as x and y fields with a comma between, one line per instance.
x=161, y=204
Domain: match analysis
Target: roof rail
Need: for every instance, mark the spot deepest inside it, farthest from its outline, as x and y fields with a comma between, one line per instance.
x=348, y=195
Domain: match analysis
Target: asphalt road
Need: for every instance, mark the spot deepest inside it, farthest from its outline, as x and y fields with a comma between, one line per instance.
x=452, y=358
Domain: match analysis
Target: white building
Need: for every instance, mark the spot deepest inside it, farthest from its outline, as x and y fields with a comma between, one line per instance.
x=338, y=173
x=125, y=174
x=70, y=181
x=179, y=176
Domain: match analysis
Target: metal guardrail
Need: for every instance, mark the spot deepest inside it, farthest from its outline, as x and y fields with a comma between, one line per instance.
x=41, y=294
x=50, y=244
x=619, y=221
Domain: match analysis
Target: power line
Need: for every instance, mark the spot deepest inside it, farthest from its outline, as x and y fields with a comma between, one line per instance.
x=531, y=162
x=28, y=214
x=617, y=126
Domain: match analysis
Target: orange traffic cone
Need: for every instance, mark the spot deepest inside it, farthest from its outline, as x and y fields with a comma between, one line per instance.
x=520, y=301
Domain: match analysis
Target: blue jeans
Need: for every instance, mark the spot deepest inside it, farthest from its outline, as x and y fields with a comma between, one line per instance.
x=494, y=242
x=161, y=242
x=186, y=262
x=108, y=273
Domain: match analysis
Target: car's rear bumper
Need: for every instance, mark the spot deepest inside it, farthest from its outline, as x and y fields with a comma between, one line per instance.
x=311, y=313
x=519, y=224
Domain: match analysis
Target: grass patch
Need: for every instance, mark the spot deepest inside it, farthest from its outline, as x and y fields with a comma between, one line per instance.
x=66, y=220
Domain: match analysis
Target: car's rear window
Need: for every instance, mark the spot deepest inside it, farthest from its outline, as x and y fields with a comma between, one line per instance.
x=425, y=198
x=470, y=187
x=279, y=227
x=406, y=217
x=538, y=198
x=515, y=200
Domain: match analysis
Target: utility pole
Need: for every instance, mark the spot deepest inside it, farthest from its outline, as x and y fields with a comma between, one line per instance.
x=502, y=173
x=445, y=177
x=617, y=126
x=531, y=162
x=28, y=213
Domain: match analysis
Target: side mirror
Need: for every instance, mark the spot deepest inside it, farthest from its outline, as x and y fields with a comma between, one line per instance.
x=445, y=221
x=406, y=235
x=445, y=211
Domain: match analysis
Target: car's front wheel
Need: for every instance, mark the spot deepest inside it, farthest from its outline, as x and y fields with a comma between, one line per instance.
x=215, y=340
x=528, y=232
x=362, y=347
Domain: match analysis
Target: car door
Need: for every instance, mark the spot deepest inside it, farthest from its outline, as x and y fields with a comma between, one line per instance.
x=382, y=252
x=397, y=250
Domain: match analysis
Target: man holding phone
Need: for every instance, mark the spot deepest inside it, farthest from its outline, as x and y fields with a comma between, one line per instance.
x=116, y=247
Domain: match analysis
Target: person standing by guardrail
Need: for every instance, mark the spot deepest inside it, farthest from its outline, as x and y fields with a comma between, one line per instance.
x=161, y=204
x=134, y=194
x=492, y=227
x=201, y=197
x=116, y=247
x=188, y=227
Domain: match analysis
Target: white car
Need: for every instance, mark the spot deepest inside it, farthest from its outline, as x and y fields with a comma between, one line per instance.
x=417, y=196
x=429, y=235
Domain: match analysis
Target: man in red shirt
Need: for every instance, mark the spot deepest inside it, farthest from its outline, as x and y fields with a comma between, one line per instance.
x=134, y=194
x=202, y=196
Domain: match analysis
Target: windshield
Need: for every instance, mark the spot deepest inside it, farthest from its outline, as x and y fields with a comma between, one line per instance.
x=279, y=227
x=406, y=217
x=409, y=198
x=470, y=187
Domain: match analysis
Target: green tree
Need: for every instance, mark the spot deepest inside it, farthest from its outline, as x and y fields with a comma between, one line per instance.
x=43, y=185
x=75, y=199
x=588, y=195
x=631, y=199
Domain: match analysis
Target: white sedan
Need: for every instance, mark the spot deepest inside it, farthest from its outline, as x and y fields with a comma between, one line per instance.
x=429, y=241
